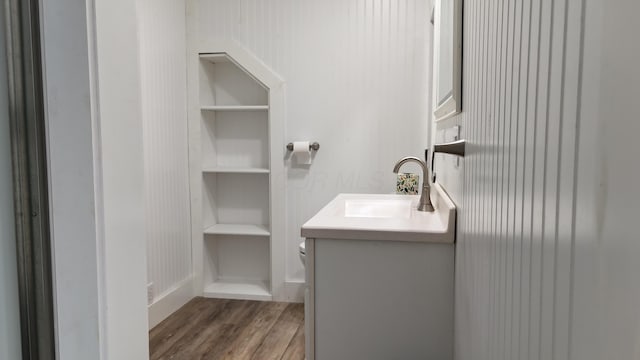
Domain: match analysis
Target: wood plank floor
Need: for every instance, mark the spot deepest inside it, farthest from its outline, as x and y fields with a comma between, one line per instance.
x=230, y=329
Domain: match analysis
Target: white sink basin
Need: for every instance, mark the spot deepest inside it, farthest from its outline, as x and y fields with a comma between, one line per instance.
x=384, y=217
x=377, y=208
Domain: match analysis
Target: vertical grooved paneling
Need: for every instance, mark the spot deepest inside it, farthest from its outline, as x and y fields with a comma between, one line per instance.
x=514, y=252
x=357, y=81
x=162, y=35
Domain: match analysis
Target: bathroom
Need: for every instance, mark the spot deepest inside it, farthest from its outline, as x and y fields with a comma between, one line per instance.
x=544, y=196
x=252, y=219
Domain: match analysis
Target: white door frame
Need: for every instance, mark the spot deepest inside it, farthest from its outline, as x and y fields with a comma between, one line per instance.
x=92, y=100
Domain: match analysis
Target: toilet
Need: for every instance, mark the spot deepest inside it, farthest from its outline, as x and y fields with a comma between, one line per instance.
x=302, y=252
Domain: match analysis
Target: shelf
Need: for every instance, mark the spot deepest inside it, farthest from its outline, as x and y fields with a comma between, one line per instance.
x=233, y=198
x=238, y=289
x=235, y=162
x=216, y=58
x=237, y=229
x=235, y=108
x=234, y=139
x=232, y=170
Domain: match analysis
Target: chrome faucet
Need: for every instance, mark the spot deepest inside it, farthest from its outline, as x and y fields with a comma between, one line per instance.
x=425, y=198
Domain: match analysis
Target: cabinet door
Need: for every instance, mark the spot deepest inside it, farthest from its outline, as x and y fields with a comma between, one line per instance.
x=383, y=300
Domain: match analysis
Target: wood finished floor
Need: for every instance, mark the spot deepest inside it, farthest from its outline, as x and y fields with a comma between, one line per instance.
x=230, y=329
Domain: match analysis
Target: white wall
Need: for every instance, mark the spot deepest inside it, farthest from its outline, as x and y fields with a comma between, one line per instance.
x=546, y=252
x=163, y=83
x=10, y=342
x=92, y=98
x=356, y=76
x=606, y=291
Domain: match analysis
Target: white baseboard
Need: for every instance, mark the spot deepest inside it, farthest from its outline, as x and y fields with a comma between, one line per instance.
x=170, y=301
x=294, y=291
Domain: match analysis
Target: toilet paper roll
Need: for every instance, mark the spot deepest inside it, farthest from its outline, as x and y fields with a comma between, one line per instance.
x=407, y=184
x=301, y=152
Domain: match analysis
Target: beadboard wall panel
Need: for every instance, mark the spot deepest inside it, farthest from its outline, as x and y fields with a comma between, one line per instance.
x=356, y=74
x=515, y=186
x=162, y=32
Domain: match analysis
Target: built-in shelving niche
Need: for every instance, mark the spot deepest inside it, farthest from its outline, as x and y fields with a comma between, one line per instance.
x=235, y=152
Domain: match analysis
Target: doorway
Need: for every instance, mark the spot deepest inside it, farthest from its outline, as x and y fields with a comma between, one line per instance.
x=26, y=280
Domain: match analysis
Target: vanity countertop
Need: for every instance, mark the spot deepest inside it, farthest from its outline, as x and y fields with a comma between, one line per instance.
x=384, y=217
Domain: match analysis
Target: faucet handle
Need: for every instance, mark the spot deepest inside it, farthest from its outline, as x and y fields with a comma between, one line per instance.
x=433, y=168
x=426, y=161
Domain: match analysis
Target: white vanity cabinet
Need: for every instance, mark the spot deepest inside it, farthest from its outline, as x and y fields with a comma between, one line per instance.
x=374, y=290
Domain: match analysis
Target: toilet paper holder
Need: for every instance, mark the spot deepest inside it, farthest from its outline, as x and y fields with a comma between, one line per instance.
x=313, y=146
